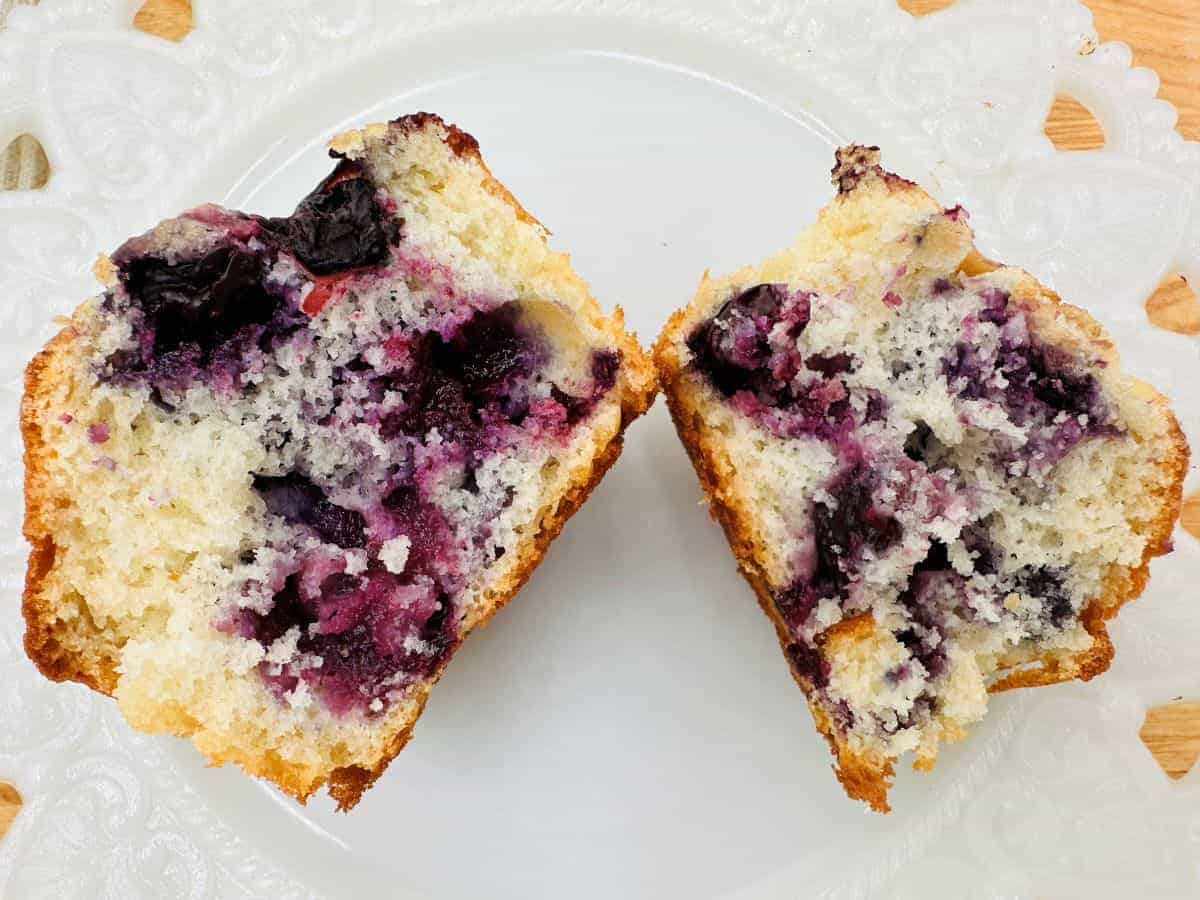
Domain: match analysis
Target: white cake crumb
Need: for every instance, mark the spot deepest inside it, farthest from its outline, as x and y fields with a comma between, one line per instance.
x=356, y=562
x=394, y=554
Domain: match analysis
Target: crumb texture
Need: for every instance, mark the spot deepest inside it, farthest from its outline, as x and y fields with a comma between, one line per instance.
x=934, y=473
x=281, y=467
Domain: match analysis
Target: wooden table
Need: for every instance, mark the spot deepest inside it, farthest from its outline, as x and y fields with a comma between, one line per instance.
x=1165, y=36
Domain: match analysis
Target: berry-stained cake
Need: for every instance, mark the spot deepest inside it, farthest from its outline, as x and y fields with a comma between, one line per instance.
x=931, y=471
x=280, y=468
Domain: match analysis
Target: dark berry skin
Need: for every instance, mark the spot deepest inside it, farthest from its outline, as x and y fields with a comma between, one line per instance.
x=296, y=499
x=441, y=404
x=1049, y=585
x=209, y=311
x=464, y=386
x=920, y=444
x=748, y=352
x=923, y=643
x=348, y=625
x=201, y=302
x=809, y=664
x=605, y=364
x=459, y=385
x=1040, y=381
x=731, y=347
x=979, y=544
x=841, y=531
x=853, y=522
x=486, y=354
x=339, y=226
x=829, y=366
x=287, y=611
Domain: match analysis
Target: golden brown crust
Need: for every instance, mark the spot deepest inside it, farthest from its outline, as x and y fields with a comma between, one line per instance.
x=42, y=634
x=463, y=144
x=98, y=671
x=456, y=139
x=863, y=777
x=1121, y=583
x=351, y=143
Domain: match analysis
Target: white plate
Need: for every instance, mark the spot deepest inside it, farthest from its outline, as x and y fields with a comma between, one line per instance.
x=627, y=727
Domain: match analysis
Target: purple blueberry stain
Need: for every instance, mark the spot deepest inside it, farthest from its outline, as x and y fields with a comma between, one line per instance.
x=749, y=353
x=809, y=664
x=373, y=621
x=390, y=628
x=604, y=368
x=1048, y=584
x=733, y=347
x=296, y=499
x=442, y=399
x=846, y=528
x=1038, y=385
x=877, y=407
x=372, y=636
x=932, y=584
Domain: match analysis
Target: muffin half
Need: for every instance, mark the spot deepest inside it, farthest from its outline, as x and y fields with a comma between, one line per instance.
x=280, y=468
x=931, y=471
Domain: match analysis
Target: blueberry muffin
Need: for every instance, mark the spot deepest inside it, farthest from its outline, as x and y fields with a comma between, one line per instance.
x=931, y=471
x=280, y=468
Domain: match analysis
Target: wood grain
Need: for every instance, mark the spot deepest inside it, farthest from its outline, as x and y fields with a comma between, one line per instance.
x=168, y=19
x=10, y=805
x=1070, y=126
x=1190, y=519
x=1175, y=306
x=1171, y=733
x=23, y=166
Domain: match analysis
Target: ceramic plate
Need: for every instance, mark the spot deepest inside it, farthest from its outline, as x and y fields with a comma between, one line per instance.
x=626, y=728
